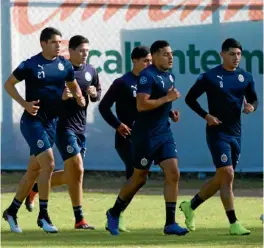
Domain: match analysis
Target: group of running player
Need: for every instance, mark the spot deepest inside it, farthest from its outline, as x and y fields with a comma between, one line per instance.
x=57, y=95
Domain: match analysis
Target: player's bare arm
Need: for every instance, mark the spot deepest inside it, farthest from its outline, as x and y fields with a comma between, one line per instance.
x=11, y=89
x=175, y=115
x=146, y=104
x=66, y=94
x=76, y=92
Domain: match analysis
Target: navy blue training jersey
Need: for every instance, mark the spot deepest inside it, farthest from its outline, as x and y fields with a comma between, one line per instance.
x=156, y=84
x=225, y=92
x=123, y=93
x=72, y=115
x=45, y=81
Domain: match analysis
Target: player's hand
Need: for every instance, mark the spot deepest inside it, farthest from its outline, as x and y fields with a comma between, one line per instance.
x=80, y=100
x=212, y=121
x=173, y=94
x=248, y=108
x=175, y=115
x=124, y=130
x=66, y=94
x=91, y=91
x=31, y=107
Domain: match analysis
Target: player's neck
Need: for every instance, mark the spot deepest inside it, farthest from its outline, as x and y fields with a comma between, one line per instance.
x=74, y=63
x=47, y=56
x=159, y=68
x=135, y=72
x=227, y=68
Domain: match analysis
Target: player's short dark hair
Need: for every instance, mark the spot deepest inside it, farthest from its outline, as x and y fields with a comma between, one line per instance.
x=76, y=41
x=230, y=43
x=48, y=32
x=140, y=52
x=157, y=45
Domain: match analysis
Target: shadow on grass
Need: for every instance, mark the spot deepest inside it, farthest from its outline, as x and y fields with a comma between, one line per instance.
x=141, y=237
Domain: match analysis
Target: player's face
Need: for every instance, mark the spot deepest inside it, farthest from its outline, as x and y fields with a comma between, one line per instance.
x=142, y=63
x=52, y=47
x=80, y=54
x=164, y=58
x=231, y=58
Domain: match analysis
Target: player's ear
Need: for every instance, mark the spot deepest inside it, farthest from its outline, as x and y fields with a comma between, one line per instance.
x=222, y=54
x=42, y=43
x=134, y=61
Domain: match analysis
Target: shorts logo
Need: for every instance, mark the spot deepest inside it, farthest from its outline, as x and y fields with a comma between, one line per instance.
x=241, y=78
x=224, y=158
x=144, y=161
x=171, y=78
x=40, y=143
x=88, y=76
x=61, y=66
x=143, y=80
x=70, y=149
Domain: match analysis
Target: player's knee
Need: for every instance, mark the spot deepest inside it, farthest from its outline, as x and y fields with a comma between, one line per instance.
x=226, y=175
x=172, y=176
x=74, y=168
x=48, y=168
x=140, y=177
x=34, y=173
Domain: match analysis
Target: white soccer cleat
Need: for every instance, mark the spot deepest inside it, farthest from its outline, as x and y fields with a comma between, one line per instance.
x=46, y=225
x=12, y=221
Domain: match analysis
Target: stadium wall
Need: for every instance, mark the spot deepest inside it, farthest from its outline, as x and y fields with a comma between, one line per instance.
x=195, y=30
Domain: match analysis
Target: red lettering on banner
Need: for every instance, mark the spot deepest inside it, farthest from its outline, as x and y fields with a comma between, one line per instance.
x=156, y=12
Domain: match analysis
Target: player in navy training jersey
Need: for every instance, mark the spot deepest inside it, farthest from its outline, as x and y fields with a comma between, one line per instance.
x=71, y=130
x=152, y=138
x=45, y=75
x=227, y=87
x=123, y=93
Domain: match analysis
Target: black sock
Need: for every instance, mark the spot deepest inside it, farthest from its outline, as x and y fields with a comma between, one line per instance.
x=35, y=188
x=170, y=213
x=43, y=208
x=78, y=213
x=196, y=201
x=14, y=207
x=231, y=216
x=119, y=206
x=126, y=204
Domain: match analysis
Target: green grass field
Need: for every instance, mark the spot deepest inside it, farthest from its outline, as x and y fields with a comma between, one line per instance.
x=144, y=217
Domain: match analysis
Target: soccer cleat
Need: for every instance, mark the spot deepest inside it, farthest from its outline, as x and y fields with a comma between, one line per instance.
x=29, y=203
x=185, y=207
x=83, y=224
x=12, y=221
x=175, y=229
x=112, y=224
x=237, y=229
x=121, y=225
x=46, y=224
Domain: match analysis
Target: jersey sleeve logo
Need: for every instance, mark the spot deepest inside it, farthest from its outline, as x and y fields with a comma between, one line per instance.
x=88, y=76
x=143, y=80
x=61, y=66
x=171, y=78
x=241, y=78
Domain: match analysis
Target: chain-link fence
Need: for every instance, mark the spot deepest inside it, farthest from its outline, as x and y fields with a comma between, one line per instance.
x=195, y=30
